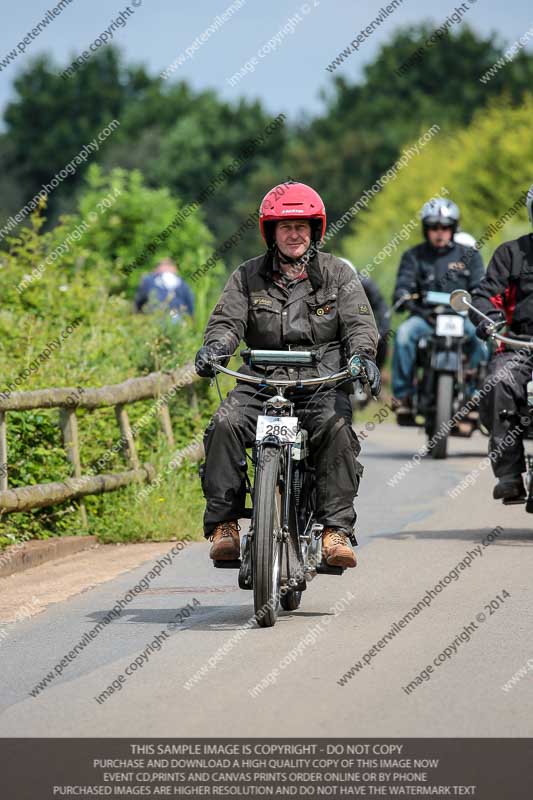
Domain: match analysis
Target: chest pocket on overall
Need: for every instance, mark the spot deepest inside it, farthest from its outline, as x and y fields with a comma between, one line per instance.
x=324, y=319
x=264, y=321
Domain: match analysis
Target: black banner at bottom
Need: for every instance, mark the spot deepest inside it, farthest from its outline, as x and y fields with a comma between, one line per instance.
x=486, y=769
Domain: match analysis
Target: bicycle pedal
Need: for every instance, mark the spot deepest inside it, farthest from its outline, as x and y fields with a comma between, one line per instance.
x=236, y=564
x=245, y=573
x=325, y=569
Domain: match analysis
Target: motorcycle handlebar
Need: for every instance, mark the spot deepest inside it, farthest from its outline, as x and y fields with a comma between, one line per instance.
x=463, y=297
x=337, y=376
x=512, y=342
x=401, y=300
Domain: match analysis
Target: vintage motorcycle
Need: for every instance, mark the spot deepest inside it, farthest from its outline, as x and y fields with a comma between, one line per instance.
x=282, y=550
x=461, y=301
x=443, y=382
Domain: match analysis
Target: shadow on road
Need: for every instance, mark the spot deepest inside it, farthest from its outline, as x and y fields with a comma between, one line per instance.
x=408, y=455
x=513, y=537
x=207, y=617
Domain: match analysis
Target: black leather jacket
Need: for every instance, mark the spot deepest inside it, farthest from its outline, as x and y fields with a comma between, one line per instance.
x=508, y=286
x=424, y=268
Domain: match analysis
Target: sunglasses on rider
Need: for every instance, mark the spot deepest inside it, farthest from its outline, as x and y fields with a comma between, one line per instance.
x=438, y=226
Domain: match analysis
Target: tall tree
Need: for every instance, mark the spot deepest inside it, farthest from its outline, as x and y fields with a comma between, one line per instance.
x=408, y=87
x=203, y=148
x=180, y=139
x=51, y=118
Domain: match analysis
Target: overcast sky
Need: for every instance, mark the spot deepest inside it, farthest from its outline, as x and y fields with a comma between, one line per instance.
x=288, y=79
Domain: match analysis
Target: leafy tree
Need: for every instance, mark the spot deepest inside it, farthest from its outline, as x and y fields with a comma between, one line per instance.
x=76, y=270
x=366, y=122
x=185, y=141
x=12, y=196
x=178, y=138
x=484, y=174
x=51, y=118
x=142, y=226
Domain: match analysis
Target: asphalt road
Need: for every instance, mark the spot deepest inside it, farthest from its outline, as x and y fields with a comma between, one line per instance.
x=412, y=535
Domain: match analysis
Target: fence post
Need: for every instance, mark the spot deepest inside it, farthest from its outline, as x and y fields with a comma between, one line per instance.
x=69, y=428
x=166, y=424
x=3, y=451
x=193, y=398
x=127, y=436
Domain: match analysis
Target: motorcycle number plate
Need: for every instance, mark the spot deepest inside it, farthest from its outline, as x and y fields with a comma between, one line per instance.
x=285, y=428
x=450, y=325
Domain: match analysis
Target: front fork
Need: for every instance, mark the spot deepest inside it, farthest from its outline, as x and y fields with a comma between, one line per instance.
x=287, y=491
x=291, y=573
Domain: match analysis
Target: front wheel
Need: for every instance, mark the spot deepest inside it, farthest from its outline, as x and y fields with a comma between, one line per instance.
x=443, y=413
x=266, y=552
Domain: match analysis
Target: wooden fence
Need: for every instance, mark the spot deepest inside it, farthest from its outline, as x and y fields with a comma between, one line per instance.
x=160, y=386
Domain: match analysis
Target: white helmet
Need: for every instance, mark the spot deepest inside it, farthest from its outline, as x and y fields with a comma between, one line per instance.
x=529, y=204
x=347, y=261
x=440, y=210
x=466, y=239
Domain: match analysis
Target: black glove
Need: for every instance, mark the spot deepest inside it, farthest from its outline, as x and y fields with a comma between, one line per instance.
x=404, y=305
x=373, y=375
x=486, y=328
x=204, y=355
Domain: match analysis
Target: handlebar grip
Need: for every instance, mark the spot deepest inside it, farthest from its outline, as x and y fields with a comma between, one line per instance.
x=356, y=368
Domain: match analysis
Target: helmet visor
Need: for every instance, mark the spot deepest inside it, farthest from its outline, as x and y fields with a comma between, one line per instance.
x=439, y=226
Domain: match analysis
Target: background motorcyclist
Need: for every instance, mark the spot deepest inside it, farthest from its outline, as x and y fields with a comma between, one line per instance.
x=438, y=264
x=506, y=296
x=380, y=310
x=291, y=296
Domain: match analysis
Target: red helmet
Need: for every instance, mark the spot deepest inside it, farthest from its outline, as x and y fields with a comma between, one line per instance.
x=292, y=200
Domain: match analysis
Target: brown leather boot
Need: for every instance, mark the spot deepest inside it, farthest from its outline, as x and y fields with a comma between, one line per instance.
x=335, y=549
x=404, y=411
x=226, y=543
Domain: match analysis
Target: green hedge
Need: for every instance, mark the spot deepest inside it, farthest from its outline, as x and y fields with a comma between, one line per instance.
x=86, y=280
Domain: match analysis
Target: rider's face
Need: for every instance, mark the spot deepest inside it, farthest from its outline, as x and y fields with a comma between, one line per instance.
x=293, y=237
x=439, y=235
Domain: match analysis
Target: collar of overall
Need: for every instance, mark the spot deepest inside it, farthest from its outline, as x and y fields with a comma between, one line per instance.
x=288, y=270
